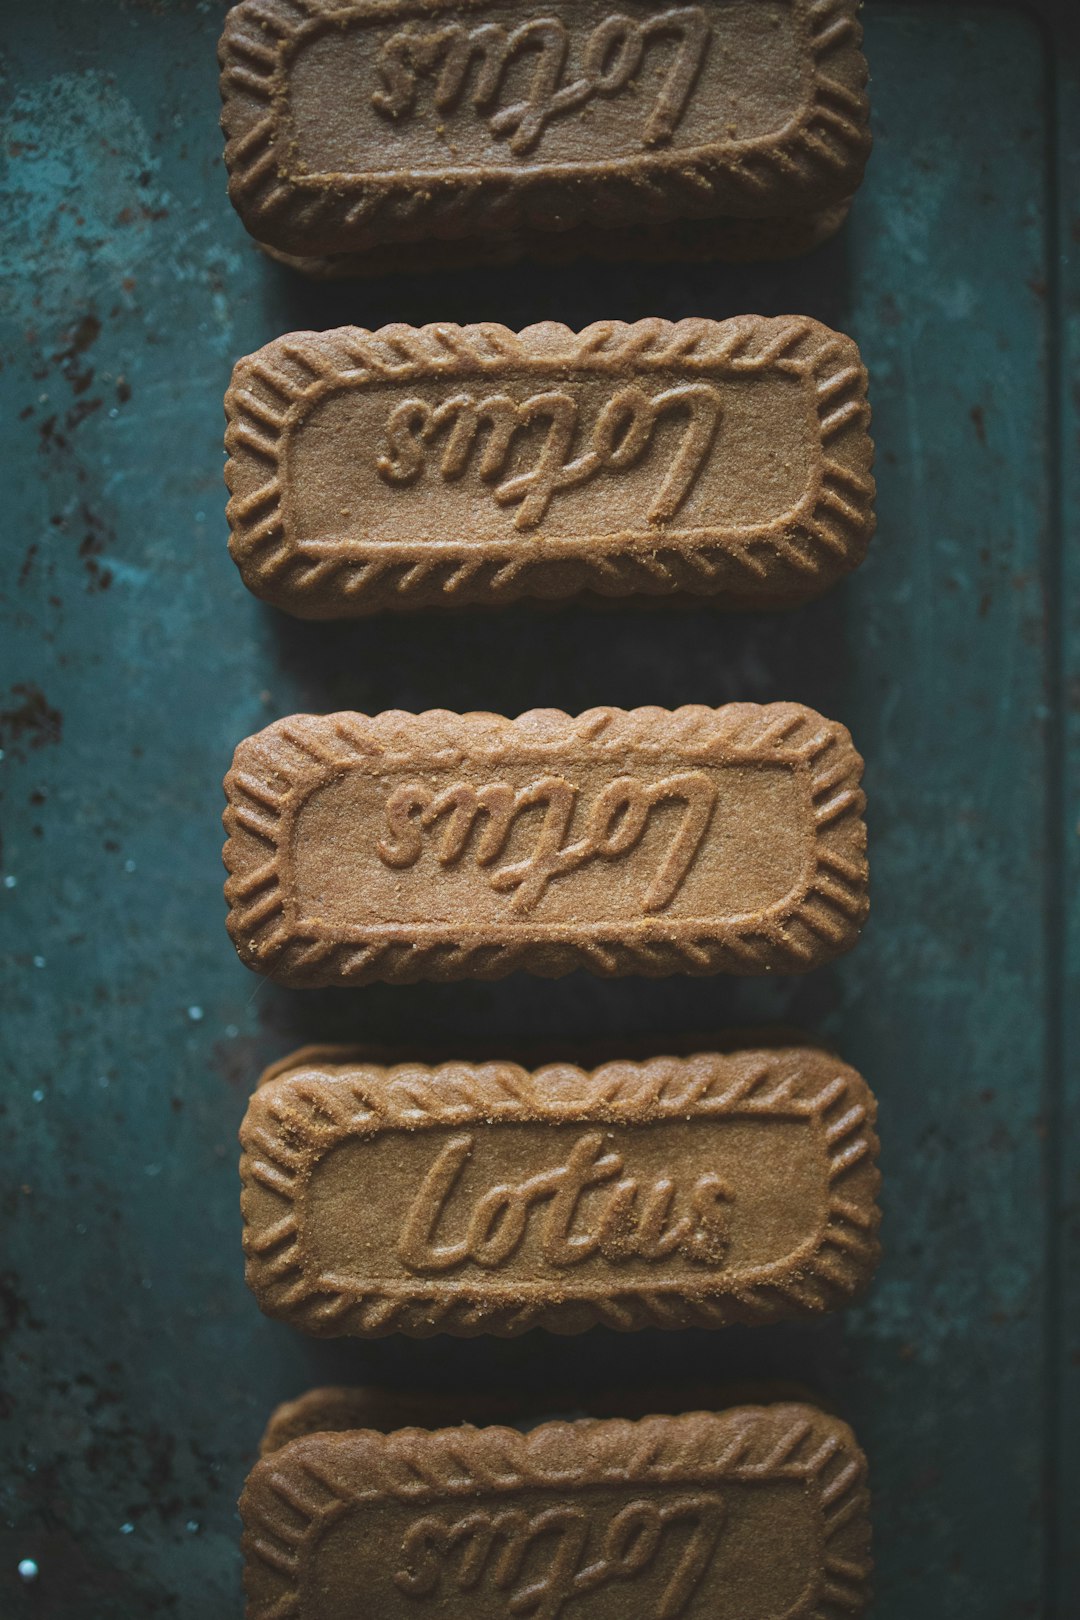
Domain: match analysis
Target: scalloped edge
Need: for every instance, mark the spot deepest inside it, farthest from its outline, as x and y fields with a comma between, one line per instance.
x=275, y=771
x=814, y=160
x=790, y=557
x=303, y=1113
x=296, y=1493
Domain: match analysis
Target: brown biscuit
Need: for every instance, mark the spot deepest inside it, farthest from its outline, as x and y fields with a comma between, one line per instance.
x=446, y=465
x=489, y=1199
x=444, y=846
x=354, y=126
x=756, y=1513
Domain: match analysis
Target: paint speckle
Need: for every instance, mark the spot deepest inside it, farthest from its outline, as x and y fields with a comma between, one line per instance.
x=30, y=721
x=978, y=419
x=82, y=336
x=93, y=147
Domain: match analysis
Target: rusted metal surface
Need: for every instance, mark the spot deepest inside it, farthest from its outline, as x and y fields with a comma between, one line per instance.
x=137, y=1371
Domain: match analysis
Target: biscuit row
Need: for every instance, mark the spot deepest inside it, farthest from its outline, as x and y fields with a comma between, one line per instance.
x=727, y=462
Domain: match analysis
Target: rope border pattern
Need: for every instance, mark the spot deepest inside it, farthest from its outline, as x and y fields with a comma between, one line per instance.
x=294, y=1495
x=816, y=159
x=298, y=1118
x=275, y=771
x=793, y=556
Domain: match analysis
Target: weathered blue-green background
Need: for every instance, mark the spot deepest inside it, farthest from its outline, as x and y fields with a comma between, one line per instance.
x=137, y=1371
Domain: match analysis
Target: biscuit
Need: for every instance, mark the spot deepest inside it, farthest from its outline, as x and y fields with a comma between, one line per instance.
x=446, y=465
x=443, y=846
x=755, y=1513
x=354, y=126
x=484, y=1198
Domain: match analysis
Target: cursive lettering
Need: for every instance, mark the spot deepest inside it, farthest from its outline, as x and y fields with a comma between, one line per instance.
x=620, y=436
x=611, y=60
x=615, y=824
x=541, y=1561
x=628, y=1221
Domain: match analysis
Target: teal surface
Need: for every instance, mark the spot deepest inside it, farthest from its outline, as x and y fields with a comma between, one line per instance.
x=137, y=1373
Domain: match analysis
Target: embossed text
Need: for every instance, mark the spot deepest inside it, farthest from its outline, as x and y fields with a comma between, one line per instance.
x=611, y=59
x=630, y=1219
x=479, y=435
x=614, y=824
x=543, y=1560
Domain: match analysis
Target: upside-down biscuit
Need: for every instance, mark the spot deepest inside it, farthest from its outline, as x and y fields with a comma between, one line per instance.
x=754, y=1513
x=356, y=125
x=446, y=465
x=443, y=846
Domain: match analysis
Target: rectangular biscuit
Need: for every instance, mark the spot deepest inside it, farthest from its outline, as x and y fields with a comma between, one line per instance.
x=356, y=125
x=754, y=1513
x=443, y=846
x=485, y=1198
x=447, y=465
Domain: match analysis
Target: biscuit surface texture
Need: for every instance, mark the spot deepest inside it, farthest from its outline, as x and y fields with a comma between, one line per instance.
x=756, y=1513
x=352, y=126
x=448, y=465
x=486, y=1198
x=442, y=846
